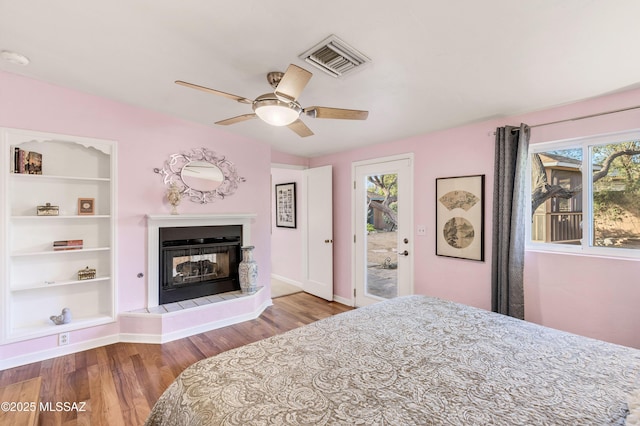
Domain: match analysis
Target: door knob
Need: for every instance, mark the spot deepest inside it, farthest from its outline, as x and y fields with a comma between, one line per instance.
x=404, y=253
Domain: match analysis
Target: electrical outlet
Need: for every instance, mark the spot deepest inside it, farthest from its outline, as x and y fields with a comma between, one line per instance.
x=422, y=230
x=63, y=339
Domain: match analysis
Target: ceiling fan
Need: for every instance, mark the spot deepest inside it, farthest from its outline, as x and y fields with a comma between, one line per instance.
x=281, y=107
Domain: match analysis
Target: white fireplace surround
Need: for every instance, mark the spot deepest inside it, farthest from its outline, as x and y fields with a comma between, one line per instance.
x=155, y=222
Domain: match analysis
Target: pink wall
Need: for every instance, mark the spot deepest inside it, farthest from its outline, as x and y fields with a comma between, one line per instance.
x=286, y=243
x=288, y=159
x=595, y=297
x=145, y=140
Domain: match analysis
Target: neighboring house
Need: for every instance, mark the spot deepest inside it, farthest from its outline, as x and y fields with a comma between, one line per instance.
x=559, y=219
x=375, y=217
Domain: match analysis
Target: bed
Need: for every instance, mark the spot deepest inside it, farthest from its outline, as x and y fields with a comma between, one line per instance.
x=412, y=360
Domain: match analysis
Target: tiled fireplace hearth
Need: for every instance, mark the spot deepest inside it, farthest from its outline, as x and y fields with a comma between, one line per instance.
x=158, y=323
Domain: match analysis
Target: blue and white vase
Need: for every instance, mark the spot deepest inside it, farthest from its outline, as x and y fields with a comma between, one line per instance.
x=248, y=271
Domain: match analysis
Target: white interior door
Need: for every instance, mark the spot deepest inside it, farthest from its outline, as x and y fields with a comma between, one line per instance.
x=318, y=195
x=383, y=223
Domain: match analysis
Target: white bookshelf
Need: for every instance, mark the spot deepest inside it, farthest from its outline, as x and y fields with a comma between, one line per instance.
x=37, y=281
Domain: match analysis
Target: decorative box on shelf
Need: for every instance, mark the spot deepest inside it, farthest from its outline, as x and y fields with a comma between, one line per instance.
x=86, y=273
x=48, y=210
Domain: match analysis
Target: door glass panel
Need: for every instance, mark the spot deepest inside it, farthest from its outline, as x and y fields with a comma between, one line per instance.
x=381, y=235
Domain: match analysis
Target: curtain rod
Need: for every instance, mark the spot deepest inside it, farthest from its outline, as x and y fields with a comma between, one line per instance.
x=582, y=117
x=586, y=116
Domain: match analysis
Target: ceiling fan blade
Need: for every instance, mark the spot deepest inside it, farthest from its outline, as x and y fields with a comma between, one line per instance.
x=344, y=114
x=293, y=82
x=300, y=128
x=237, y=119
x=215, y=92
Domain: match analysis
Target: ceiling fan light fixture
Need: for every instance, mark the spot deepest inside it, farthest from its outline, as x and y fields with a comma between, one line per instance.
x=281, y=107
x=14, y=57
x=276, y=112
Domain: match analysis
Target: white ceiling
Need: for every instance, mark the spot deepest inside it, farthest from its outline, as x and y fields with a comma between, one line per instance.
x=435, y=64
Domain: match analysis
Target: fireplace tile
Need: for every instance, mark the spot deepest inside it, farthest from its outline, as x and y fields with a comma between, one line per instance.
x=230, y=295
x=200, y=301
x=157, y=310
x=172, y=307
x=186, y=304
x=193, y=303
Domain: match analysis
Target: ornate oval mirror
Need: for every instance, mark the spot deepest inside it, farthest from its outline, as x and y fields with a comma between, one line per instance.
x=201, y=175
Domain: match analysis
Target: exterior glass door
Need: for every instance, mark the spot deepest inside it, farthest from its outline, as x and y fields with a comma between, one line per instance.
x=382, y=223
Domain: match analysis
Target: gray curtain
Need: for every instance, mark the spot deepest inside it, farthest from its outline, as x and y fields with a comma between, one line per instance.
x=509, y=199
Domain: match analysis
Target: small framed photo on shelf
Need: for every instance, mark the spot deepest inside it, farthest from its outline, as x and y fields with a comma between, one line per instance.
x=86, y=206
x=286, y=205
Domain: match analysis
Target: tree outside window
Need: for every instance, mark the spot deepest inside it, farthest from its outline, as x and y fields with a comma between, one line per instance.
x=586, y=193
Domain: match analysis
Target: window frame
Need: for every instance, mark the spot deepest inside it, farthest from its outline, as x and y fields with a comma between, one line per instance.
x=585, y=143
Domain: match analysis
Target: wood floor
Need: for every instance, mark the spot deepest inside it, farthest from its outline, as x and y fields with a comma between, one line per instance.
x=119, y=383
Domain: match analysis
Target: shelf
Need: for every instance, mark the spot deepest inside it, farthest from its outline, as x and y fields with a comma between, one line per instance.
x=35, y=279
x=58, y=252
x=62, y=217
x=30, y=332
x=66, y=178
x=39, y=286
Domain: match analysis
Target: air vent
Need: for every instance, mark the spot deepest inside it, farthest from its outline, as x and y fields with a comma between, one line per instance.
x=335, y=57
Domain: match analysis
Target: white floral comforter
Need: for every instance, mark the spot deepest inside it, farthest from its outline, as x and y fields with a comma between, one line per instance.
x=413, y=360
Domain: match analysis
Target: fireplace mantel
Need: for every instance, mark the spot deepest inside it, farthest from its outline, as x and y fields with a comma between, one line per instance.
x=155, y=222
x=160, y=220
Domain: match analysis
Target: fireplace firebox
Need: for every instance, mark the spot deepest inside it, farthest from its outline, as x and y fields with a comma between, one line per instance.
x=198, y=261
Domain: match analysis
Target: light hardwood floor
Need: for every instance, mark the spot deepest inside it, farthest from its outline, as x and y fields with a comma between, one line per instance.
x=120, y=383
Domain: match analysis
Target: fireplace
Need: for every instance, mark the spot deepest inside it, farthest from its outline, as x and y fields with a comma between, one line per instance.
x=197, y=261
x=157, y=222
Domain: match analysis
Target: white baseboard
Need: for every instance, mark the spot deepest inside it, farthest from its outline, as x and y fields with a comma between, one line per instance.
x=146, y=338
x=286, y=280
x=336, y=298
x=129, y=338
x=57, y=351
x=343, y=300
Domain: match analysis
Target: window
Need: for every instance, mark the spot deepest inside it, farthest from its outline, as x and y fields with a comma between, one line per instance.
x=585, y=195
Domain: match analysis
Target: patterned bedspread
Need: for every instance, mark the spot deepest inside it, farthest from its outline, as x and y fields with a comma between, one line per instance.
x=413, y=360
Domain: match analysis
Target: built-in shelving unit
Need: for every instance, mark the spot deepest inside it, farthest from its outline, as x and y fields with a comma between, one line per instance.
x=38, y=282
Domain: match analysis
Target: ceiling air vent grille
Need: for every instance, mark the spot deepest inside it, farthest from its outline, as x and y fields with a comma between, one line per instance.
x=335, y=57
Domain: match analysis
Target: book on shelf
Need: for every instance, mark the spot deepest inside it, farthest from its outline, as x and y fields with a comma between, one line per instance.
x=68, y=245
x=26, y=162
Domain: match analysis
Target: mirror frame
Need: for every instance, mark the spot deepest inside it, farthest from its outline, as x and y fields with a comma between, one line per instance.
x=172, y=174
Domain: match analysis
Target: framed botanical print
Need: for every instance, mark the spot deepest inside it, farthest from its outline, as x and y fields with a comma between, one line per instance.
x=286, y=205
x=460, y=217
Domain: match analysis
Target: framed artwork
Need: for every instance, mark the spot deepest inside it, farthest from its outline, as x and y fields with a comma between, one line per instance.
x=460, y=217
x=286, y=205
x=86, y=206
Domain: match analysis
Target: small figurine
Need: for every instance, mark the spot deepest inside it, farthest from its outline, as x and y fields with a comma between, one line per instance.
x=64, y=318
x=174, y=196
